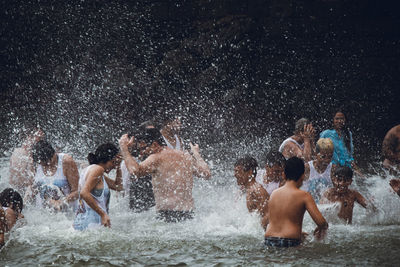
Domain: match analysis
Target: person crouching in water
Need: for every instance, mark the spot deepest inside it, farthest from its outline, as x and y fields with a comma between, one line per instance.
x=317, y=176
x=10, y=211
x=94, y=188
x=342, y=179
x=287, y=206
x=172, y=173
x=256, y=195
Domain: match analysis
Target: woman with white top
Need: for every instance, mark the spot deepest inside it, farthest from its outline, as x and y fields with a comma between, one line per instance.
x=56, y=177
x=94, y=188
x=317, y=175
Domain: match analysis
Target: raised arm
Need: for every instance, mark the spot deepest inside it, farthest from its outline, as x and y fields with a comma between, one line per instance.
x=139, y=170
x=71, y=172
x=308, y=137
x=201, y=168
x=116, y=184
x=316, y=215
x=3, y=227
x=93, y=178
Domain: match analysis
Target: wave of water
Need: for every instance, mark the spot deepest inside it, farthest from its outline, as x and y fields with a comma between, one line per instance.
x=222, y=232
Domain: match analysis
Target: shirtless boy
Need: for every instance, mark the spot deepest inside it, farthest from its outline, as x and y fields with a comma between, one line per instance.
x=287, y=206
x=342, y=179
x=172, y=175
x=256, y=196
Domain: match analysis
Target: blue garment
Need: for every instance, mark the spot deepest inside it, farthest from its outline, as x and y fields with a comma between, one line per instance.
x=341, y=155
x=86, y=217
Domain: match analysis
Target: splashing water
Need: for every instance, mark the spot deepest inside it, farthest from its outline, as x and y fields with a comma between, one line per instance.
x=222, y=232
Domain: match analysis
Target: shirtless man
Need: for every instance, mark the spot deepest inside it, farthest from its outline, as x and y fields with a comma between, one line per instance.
x=391, y=154
x=301, y=144
x=171, y=133
x=21, y=163
x=256, y=196
x=318, y=173
x=287, y=206
x=172, y=175
x=342, y=179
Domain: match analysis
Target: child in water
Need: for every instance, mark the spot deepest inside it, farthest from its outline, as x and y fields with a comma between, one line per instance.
x=342, y=179
x=10, y=211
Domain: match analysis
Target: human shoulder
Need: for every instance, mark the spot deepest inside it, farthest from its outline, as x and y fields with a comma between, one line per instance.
x=96, y=170
x=67, y=159
x=327, y=133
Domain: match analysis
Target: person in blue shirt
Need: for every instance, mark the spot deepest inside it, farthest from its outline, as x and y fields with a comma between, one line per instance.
x=342, y=141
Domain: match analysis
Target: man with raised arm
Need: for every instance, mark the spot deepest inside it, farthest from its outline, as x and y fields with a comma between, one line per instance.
x=287, y=206
x=172, y=174
x=301, y=144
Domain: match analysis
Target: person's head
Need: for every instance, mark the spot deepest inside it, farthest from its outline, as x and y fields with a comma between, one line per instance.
x=342, y=178
x=43, y=153
x=299, y=126
x=11, y=199
x=324, y=149
x=31, y=134
x=274, y=165
x=245, y=170
x=173, y=124
x=104, y=155
x=339, y=120
x=294, y=169
x=150, y=141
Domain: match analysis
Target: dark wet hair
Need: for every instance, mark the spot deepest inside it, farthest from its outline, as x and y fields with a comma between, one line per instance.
x=42, y=152
x=346, y=131
x=294, y=168
x=248, y=163
x=103, y=153
x=151, y=135
x=299, y=126
x=274, y=157
x=344, y=172
x=11, y=197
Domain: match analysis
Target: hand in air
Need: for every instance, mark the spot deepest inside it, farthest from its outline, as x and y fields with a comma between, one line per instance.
x=309, y=131
x=194, y=148
x=105, y=220
x=125, y=142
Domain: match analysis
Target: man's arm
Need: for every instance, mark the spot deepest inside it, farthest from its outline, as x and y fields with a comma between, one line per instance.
x=3, y=227
x=308, y=137
x=201, y=168
x=71, y=172
x=316, y=215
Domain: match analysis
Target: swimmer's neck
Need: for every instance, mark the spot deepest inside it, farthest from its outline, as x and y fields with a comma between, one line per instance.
x=167, y=132
x=250, y=182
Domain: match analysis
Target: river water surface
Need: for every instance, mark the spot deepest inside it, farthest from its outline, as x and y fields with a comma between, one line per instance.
x=223, y=233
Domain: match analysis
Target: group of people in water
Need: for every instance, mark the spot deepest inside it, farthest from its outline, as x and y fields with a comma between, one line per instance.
x=154, y=169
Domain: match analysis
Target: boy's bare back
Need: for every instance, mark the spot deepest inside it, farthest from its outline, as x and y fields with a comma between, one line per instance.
x=287, y=206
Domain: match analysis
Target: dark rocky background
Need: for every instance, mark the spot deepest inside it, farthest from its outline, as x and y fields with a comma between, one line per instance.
x=86, y=71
